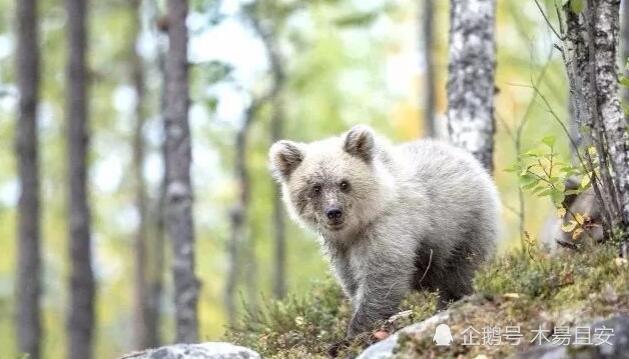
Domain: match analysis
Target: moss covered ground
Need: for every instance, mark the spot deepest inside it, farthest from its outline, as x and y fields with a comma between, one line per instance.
x=528, y=290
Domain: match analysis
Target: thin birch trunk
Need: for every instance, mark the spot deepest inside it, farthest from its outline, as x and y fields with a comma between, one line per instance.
x=624, y=60
x=471, y=71
x=429, y=95
x=589, y=52
x=179, y=196
x=606, y=30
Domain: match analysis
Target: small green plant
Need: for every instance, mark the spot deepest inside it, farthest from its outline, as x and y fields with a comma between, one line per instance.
x=542, y=172
x=296, y=325
x=307, y=326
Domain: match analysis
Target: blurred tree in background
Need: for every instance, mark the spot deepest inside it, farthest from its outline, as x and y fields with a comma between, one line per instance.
x=28, y=279
x=80, y=310
x=256, y=71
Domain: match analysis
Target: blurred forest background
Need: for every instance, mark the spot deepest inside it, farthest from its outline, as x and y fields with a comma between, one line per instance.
x=258, y=71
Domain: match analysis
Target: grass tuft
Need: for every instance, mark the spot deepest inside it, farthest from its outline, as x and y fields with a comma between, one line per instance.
x=526, y=290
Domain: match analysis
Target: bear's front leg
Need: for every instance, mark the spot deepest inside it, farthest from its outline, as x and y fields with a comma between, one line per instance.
x=378, y=297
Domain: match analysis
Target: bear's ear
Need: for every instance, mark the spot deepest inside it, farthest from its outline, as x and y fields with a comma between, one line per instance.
x=284, y=157
x=359, y=142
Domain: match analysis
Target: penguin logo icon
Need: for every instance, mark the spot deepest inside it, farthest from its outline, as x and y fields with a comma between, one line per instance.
x=443, y=336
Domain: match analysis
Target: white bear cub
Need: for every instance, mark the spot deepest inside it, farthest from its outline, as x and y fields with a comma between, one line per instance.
x=392, y=218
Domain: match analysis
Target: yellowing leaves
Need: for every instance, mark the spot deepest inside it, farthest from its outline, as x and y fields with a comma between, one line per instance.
x=576, y=233
x=576, y=226
x=569, y=227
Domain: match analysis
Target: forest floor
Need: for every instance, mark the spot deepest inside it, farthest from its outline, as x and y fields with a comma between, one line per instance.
x=530, y=290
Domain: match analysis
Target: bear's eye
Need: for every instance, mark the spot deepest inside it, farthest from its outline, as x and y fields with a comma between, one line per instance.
x=316, y=189
x=344, y=186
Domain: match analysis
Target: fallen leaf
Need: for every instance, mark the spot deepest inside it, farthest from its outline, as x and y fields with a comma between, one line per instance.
x=381, y=335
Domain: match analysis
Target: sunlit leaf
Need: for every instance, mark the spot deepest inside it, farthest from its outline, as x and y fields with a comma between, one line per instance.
x=561, y=212
x=549, y=141
x=577, y=232
x=585, y=181
x=577, y=6
x=557, y=197
x=569, y=227
x=356, y=19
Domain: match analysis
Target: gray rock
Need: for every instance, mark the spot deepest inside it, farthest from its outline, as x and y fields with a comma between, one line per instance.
x=211, y=350
x=618, y=349
x=384, y=348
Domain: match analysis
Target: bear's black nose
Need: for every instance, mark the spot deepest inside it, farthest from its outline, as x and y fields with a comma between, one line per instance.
x=334, y=213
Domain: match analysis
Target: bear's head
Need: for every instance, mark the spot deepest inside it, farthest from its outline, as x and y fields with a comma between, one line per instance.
x=334, y=186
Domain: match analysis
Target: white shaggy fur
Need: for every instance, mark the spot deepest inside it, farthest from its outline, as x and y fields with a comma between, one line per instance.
x=419, y=215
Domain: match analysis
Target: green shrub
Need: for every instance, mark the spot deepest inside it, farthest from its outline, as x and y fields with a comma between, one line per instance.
x=306, y=326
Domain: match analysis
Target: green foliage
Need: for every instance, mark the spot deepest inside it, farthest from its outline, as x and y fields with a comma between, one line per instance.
x=307, y=325
x=356, y=19
x=577, y=6
x=531, y=291
x=542, y=172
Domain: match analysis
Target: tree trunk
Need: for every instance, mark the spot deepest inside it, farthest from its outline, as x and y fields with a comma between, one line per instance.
x=238, y=219
x=427, y=27
x=156, y=246
x=156, y=279
x=606, y=28
x=625, y=48
x=156, y=213
x=279, y=228
x=29, y=260
x=80, y=320
x=589, y=53
x=179, y=196
x=277, y=124
x=471, y=70
x=248, y=241
x=239, y=242
x=141, y=308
